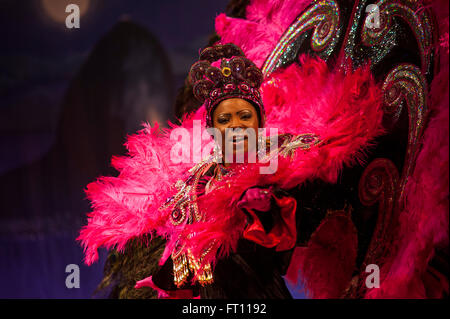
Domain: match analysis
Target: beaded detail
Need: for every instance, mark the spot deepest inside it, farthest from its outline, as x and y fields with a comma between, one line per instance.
x=237, y=77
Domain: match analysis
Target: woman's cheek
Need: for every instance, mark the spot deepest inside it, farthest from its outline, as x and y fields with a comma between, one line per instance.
x=222, y=136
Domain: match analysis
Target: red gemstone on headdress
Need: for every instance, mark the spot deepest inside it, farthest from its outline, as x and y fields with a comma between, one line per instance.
x=215, y=93
x=244, y=87
x=229, y=87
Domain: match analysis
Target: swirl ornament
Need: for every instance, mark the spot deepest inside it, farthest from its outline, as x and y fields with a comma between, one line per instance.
x=402, y=56
x=407, y=83
x=237, y=67
x=378, y=184
x=202, y=88
x=323, y=18
x=198, y=71
x=418, y=20
x=178, y=215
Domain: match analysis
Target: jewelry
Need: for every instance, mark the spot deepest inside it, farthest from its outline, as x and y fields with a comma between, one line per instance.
x=184, y=204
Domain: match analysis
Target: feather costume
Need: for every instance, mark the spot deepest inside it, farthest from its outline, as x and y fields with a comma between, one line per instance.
x=338, y=102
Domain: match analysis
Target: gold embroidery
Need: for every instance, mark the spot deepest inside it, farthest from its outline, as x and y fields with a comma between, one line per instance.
x=184, y=205
x=302, y=141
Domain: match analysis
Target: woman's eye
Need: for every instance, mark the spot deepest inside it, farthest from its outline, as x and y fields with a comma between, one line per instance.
x=246, y=116
x=222, y=120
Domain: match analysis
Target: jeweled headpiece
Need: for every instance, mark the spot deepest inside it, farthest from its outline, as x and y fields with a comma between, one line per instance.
x=223, y=72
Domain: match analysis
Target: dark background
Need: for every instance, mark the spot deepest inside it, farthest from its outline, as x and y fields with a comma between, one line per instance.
x=68, y=98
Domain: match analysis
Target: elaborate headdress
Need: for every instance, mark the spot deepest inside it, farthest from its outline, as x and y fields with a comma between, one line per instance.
x=223, y=72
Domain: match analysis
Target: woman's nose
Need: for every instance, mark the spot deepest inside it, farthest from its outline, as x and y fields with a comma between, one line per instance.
x=236, y=122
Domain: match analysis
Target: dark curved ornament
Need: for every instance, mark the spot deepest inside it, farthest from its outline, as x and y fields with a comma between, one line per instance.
x=321, y=16
x=202, y=88
x=418, y=20
x=406, y=84
x=402, y=57
x=198, y=71
x=378, y=185
x=403, y=32
x=215, y=75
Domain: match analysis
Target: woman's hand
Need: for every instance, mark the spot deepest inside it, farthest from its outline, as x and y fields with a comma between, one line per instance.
x=257, y=199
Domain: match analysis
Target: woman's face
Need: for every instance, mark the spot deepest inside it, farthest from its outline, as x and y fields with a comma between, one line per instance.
x=236, y=114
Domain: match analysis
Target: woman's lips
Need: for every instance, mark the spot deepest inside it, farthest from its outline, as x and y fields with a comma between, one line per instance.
x=238, y=139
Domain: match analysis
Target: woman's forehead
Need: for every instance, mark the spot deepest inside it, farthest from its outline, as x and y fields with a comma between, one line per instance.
x=233, y=105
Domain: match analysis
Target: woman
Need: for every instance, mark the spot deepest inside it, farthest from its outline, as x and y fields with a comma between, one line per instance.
x=230, y=226
x=229, y=84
